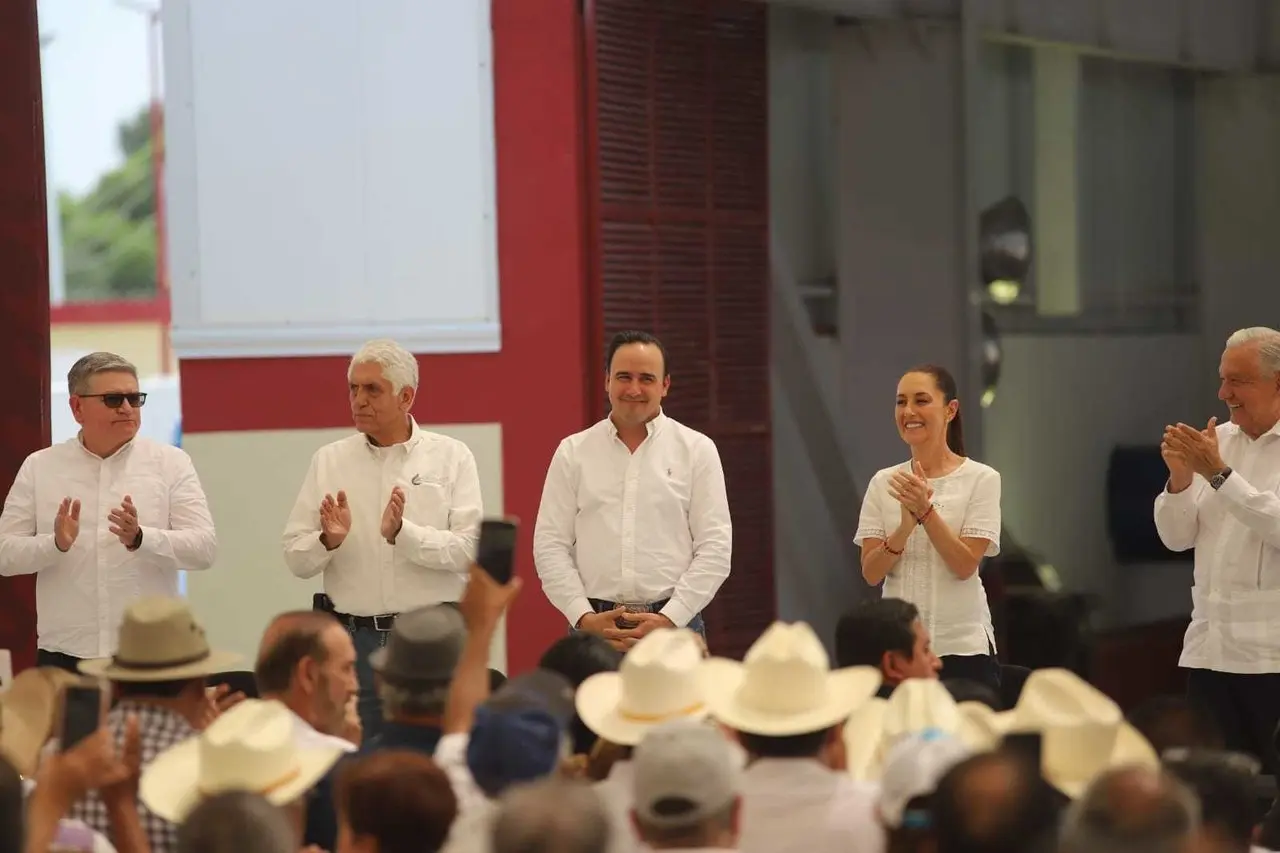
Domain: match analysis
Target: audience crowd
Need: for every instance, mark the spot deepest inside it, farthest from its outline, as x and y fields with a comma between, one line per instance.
x=664, y=747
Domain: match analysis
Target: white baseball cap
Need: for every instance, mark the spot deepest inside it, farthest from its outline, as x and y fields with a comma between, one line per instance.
x=913, y=767
x=683, y=772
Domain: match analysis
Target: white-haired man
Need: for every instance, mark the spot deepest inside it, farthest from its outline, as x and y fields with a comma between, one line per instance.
x=1221, y=500
x=389, y=516
x=143, y=512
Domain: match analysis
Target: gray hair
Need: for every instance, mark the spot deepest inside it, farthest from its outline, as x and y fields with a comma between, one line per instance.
x=425, y=701
x=1131, y=810
x=236, y=822
x=399, y=367
x=552, y=815
x=1268, y=341
x=93, y=364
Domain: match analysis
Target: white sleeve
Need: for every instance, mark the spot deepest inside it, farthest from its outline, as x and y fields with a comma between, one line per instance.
x=304, y=554
x=23, y=550
x=871, y=521
x=982, y=516
x=553, y=539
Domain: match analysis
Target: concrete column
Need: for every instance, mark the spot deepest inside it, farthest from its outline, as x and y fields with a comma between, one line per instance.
x=1055, y=222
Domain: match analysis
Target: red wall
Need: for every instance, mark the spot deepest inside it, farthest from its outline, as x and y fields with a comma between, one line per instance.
x=535, y=386
x=24, y=289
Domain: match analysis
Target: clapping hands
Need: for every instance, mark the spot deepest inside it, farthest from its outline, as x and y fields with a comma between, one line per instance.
x=911, y=489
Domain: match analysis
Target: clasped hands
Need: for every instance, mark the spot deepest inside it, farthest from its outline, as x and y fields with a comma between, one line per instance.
x=1187, y=450
x=122, y=522
x=335, y=518
x=606, y=625
x=911, y=489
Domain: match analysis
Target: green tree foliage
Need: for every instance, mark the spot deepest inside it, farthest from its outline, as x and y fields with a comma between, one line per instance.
x=109, y=234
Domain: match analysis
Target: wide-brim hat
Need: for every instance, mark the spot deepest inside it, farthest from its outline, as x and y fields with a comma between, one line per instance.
x=785, y=686
x=160, y=640
x=252, y=747
x=28, y=710
x=659, y=680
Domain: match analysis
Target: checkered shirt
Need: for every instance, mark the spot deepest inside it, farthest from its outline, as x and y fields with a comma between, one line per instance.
x=159, y=729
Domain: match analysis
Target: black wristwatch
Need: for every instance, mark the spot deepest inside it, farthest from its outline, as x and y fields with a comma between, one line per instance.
x=1219, y=478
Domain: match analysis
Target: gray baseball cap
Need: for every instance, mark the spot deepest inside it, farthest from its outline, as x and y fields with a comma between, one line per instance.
x=423, y=647
x=683, y=772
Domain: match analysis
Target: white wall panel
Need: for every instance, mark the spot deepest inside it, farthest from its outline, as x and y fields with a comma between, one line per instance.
x=330, y=169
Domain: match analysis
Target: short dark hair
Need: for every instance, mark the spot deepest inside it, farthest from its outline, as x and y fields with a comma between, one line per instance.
x=1176, y=722
x=401, y=798
x=1024, y=819
x=806, y=745
x=1226, y=793
x=947, y=386
x=577, y=657
x=302, y=638
x=874, y=627
x=633, y=336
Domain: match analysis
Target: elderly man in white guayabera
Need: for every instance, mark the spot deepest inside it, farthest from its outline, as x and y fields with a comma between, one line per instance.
x=389, y=515
x=1221, y=500
x=140, y=503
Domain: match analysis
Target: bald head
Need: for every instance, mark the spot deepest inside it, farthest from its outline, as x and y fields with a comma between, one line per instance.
x=1132, y=809
x=289, y=639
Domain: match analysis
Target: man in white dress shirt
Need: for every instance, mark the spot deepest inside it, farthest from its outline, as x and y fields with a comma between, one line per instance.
x=633, y=531
x=143, y=513
x=389, y=516
x=1221, y=500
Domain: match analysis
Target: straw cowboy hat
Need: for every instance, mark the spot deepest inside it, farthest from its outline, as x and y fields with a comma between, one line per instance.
x=1083, y=732
x=657, y=681
x=252, y=747
x=28, y=710
x=785, y=685
x=160, y=640
x=916, y=705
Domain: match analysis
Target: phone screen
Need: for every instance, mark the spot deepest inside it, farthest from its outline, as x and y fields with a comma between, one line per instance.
x=495, y=552
x=81, y=714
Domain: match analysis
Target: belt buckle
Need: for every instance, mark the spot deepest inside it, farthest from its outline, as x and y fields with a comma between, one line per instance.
x=384, y=622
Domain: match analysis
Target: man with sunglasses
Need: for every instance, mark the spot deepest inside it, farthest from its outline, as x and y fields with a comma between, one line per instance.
x=140, y=504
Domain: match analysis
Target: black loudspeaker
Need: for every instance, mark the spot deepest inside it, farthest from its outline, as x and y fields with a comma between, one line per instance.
x=1134, y=478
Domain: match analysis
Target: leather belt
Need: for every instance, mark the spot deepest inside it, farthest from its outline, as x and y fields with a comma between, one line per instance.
x=384, y=622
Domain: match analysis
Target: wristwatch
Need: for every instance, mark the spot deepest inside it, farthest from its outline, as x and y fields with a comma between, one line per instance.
x=1219, y=478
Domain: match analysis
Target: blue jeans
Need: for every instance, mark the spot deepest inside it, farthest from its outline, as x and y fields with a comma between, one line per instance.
x=696, y=624
x=367, y=641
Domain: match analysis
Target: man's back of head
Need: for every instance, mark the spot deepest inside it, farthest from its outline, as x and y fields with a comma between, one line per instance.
x=551, y=816
x=1225, y=789
x=1132, y=810
x=236, y=822
x=995, y=802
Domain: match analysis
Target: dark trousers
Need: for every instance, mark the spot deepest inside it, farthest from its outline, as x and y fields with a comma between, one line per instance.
x=44, y=657
x=696, y=624
x=367, y=641
x=984, y=669
x=1246, y=708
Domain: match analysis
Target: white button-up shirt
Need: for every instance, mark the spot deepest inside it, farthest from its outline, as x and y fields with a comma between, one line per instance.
x=1235, y=601
x=953, y=611
x=81, y=595
x=634, y=527
x=428, y=564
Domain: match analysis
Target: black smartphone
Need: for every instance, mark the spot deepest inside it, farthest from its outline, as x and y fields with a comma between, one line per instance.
x=496, y=551
x=81, y=714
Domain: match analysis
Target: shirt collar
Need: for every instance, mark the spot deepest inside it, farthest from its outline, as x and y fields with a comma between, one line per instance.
x=119, y=452
x=652, y=428
x=415, y=436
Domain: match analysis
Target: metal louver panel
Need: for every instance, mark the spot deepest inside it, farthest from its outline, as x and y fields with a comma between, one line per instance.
x=677, y=108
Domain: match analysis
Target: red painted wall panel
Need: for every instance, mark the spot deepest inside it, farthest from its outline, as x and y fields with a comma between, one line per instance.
x=24, y=289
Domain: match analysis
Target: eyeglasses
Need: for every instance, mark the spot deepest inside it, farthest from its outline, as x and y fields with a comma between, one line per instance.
x=136, y=399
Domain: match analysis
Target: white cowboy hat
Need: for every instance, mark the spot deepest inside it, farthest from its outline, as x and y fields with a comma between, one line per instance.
x=657, y=681
x=251, y=747
x=160, y=640
x=1083, y=732
x=785, y=685
x=916, y=705
x=28, y=711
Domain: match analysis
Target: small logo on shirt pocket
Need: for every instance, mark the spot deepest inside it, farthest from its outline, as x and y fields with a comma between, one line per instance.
x=417, y=480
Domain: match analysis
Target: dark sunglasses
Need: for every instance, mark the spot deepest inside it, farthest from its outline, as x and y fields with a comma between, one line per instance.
x=114, y=401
